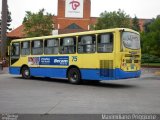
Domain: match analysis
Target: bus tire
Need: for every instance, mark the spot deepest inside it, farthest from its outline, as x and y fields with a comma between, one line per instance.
x=74, y=76
x=26, y=72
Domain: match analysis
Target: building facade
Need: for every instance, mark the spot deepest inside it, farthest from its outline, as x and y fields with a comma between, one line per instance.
x=73, y=16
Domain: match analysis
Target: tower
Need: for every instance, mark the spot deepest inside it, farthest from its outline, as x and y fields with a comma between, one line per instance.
x=73, y=15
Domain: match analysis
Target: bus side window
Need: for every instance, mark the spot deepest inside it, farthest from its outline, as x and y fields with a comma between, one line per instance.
x=68, y=45
x=25, y=48
x=15, y=49
x=105, y=43
x=37, y=47
x=51, y=46
x=86, y=44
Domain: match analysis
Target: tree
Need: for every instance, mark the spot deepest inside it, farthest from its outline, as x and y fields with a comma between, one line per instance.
x=113, y=19
x=151, y=38
x=135, y=24
x=38, y=24
x=0, y=28
x=9, y=20
x=146, y=25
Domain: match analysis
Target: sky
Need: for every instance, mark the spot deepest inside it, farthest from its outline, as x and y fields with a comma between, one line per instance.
x=141, y=8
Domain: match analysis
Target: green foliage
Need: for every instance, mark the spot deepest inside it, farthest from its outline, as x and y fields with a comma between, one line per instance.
x=9, y=20
x=146, y=58
x=113, y=19
x=146, y=25
x=92, y=27
x=38, y=24
x=151, y=38
x=135, y=24
x=0, y=27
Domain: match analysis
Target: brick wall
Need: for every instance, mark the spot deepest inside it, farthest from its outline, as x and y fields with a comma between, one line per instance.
x=61, y=22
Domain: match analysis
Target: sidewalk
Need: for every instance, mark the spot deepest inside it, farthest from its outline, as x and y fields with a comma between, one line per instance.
x=155, y=71
x=4, y=71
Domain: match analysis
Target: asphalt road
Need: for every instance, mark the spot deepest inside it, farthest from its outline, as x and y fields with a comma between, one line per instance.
x=53, y=96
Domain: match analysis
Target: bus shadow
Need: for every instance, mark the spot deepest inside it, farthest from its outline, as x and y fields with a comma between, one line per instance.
x=110, y=85
x=45, y=79
x=85, y=83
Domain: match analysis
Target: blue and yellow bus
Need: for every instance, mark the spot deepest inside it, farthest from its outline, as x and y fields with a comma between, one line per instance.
x=109, y=54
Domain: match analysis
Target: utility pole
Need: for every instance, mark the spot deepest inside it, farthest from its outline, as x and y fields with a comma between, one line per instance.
x=4, y=28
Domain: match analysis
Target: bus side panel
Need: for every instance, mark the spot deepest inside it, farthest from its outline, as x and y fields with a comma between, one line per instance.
x=49, y=72
x=90, y=74
x=97, y=74
x=108, y=74
x=14, y=70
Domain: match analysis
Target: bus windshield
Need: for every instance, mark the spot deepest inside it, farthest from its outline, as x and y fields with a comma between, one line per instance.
x=131, y=40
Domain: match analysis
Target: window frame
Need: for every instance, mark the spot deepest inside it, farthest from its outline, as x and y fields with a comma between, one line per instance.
x=19, y=49
x=54, y=46
x=123, y=42
x=26, y=48
x=98, y=39
x=94, y=38
x=74, y=45
x=42, y=46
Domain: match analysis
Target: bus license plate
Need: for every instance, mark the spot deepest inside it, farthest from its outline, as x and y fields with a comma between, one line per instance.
x=132, y=66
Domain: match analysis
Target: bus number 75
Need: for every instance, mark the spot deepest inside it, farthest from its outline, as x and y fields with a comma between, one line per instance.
x=74, y=59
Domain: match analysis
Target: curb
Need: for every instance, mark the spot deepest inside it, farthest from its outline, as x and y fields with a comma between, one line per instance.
x=150, y=66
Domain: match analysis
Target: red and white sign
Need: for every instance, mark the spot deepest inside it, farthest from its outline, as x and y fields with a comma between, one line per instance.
x=74, y=8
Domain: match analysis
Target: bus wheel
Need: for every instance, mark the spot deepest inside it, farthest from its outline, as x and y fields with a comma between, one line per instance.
x=26, y=72
x=74, y=76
